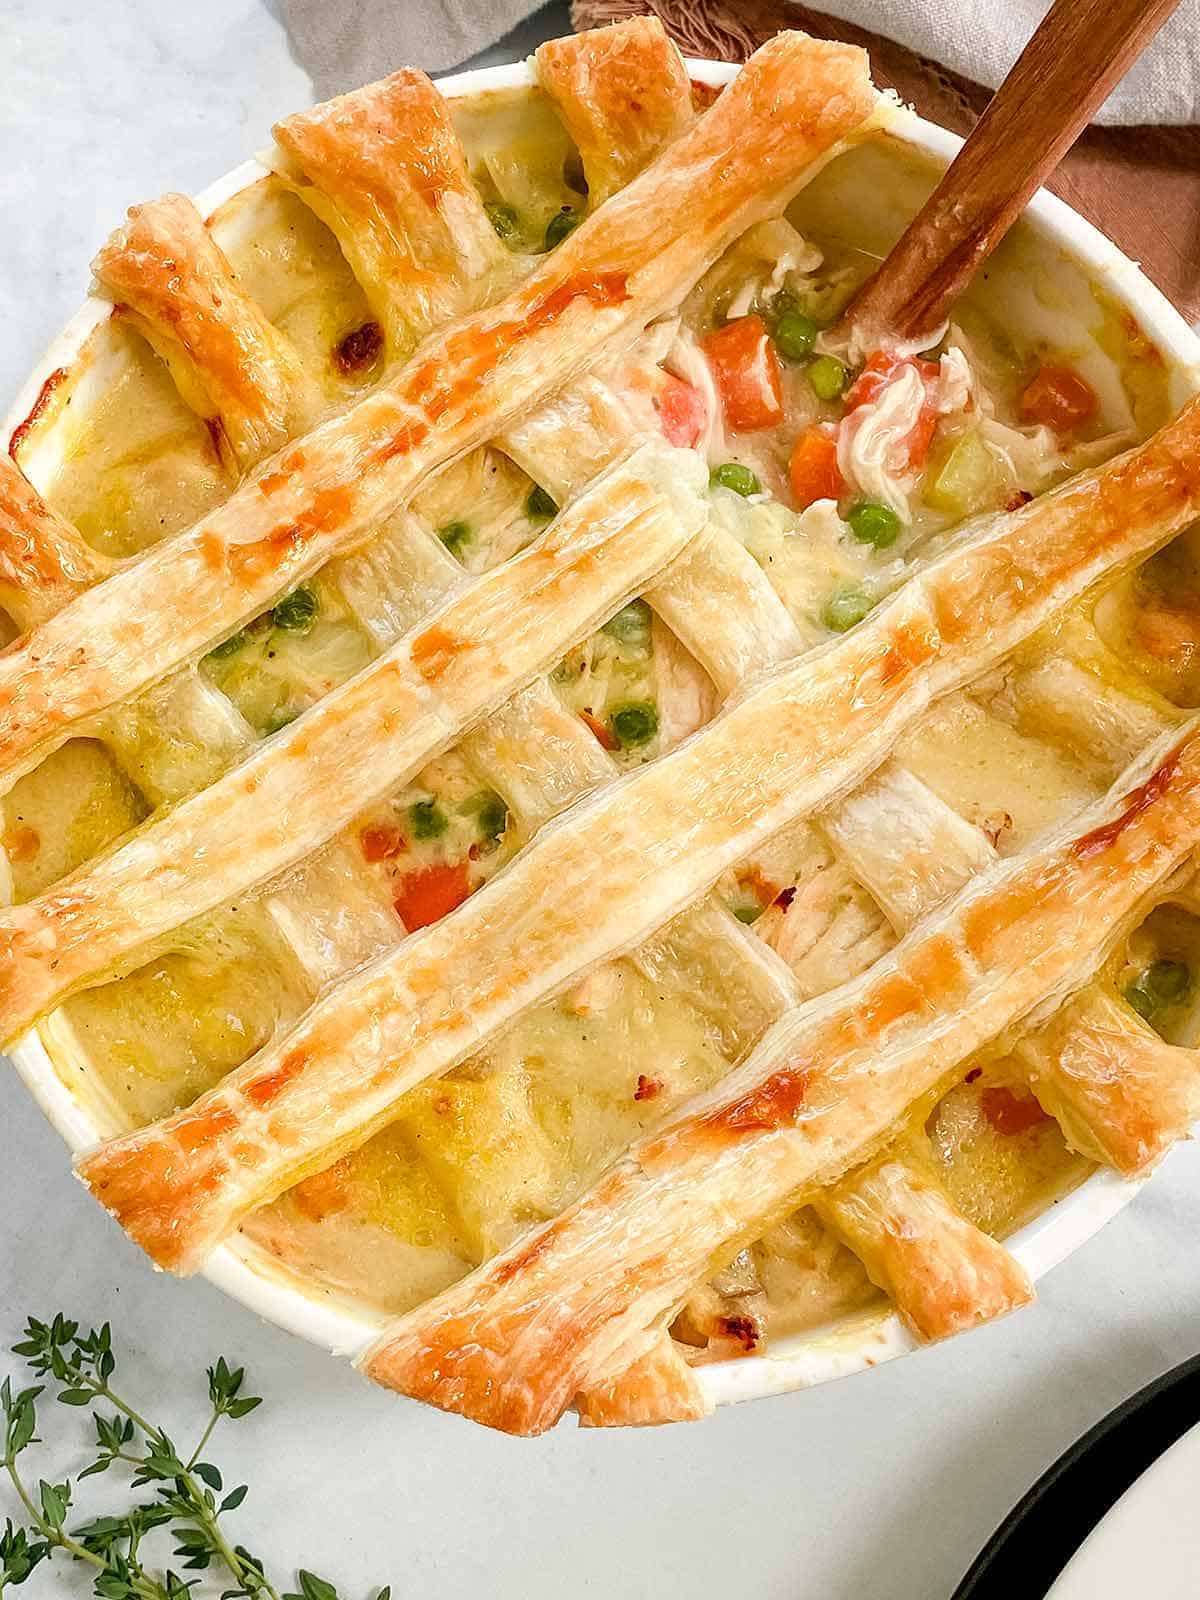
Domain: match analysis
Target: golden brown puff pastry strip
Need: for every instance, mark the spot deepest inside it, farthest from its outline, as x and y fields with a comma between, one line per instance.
x=619, y=865
x=579, y=1301
x=622, y=92
x=1121, y=1093
x=717, y=601
x=625, y=264
x=943, y=1273
x=314, y=911
x=182, y=735
x=178, y=737
x=659, y=1387
x=235, y=370
x=384, y=170
x=43, y=561
x=361, y=741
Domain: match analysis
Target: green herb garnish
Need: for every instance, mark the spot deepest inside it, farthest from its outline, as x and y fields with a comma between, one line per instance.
x=297, y=612
x=175, y=1492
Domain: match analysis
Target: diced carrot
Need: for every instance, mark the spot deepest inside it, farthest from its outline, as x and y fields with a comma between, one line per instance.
x=746, y=369
x=813, y=468
x=425, y=895
x=381, y=843
x=605, y=735
x=759, y=885
x=1059, y=398
x=1009, y=1113
x=681, y=411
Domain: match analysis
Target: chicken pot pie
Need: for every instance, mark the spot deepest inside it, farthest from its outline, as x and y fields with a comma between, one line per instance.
x=570, y=811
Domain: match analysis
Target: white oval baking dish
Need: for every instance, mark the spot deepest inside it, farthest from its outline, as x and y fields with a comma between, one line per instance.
x=245, y=1272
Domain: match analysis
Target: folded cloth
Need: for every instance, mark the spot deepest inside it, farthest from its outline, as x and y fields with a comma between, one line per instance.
x=342, y=43
x=980, y=40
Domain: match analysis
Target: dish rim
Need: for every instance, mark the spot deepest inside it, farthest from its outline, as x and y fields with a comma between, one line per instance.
x=244, y=1270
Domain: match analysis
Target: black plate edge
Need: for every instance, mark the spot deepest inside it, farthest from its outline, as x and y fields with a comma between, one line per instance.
x=1048, y=1524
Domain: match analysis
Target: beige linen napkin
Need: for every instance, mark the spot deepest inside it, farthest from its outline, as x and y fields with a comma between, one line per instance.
x=342, y=43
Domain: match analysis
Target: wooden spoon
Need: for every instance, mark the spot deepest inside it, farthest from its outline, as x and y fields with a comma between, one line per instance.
x=1064, y=74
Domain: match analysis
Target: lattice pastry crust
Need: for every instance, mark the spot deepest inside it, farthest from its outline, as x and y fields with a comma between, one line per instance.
x=481, y=367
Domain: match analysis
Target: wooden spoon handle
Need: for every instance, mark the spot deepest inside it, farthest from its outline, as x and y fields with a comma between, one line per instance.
x=1067, y=70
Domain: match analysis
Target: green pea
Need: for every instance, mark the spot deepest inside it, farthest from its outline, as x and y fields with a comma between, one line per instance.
x=631, y=625
x=874, y=524
x=280, y=718
x=1170, y=980
x=490, y=813
x=503, y=218
x=560, y=225
x=733, y=475
x=1141, y=1000
x=1164, y=983
x=427, y=820
x=635, y=725
x=795, y=335
x=228, y=647
x=748, y=913
x=828, y=378
x=297, y=612
x=539, y=505
x=846, y=606
x=455, y=536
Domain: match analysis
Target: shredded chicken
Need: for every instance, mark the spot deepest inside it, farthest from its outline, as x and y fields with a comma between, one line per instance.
x=874, y=440
x=796, y=261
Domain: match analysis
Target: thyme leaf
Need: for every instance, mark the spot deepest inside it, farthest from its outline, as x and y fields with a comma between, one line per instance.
x=181, y=1488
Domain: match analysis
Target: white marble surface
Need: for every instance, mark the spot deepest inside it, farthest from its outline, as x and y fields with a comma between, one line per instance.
x=882, y=1486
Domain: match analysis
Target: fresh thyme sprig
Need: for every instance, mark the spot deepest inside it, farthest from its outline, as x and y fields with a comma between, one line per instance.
x=182, y=1495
